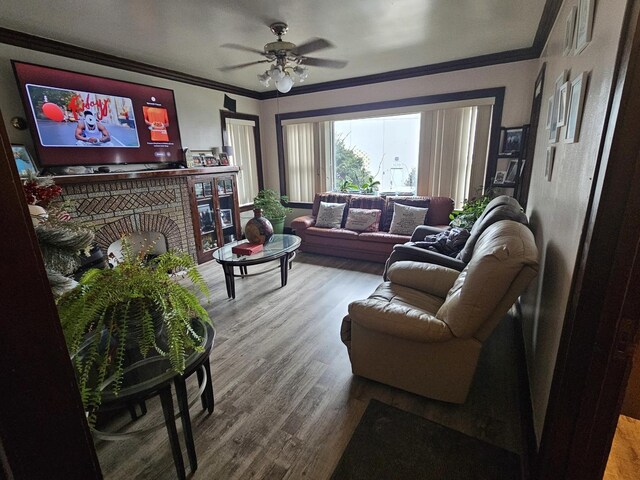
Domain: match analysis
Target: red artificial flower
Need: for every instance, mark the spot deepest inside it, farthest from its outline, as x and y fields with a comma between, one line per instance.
x=38, y=194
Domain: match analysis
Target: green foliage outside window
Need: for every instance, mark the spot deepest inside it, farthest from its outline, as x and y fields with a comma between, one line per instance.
x=351, y=169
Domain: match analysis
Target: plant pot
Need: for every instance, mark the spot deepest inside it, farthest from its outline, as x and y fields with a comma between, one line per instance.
x=278, y=225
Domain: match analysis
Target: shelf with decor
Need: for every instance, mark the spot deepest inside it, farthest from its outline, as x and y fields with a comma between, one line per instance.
x=510, y=163
x=215, y=212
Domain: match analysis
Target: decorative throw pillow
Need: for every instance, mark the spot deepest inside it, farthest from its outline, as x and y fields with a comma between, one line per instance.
x=330, y=215
x=363, y=220
x=406, y=219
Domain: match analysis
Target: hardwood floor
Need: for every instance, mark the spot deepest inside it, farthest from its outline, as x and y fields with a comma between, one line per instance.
x=286, y=401
x=624, y=458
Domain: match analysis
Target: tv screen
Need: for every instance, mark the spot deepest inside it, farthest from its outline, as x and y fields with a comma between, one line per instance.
x=79, y=119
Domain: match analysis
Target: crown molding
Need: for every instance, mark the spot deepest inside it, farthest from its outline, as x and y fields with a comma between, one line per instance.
x=33, y=42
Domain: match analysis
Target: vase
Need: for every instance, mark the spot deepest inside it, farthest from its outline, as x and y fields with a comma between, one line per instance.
x=258, y=229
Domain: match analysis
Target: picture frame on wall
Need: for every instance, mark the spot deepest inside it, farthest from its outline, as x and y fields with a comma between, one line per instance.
x=576, y=105
x=511, y=140
x=548, y=166
x=554, y=130
x=569, y=31
x=549, y=112
x=562, y=104
x=499, y=178
x=584, y=24
x=24, y=162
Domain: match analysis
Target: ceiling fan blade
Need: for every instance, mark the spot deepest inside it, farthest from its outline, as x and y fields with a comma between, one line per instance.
x=324, y=62
x=241, y=65
x=235, y=46
x=313, y=45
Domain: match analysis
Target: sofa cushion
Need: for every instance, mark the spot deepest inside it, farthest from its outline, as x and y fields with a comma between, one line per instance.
x=407, y=296
x=383, y=237
x=414, y=201
x=401, y=312
x=329, y=197
x=338, y=233
x=363, y=220
x=406, y=218
x=330, y=215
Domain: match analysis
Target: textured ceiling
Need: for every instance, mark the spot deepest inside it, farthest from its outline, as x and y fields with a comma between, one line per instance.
x=374, y=36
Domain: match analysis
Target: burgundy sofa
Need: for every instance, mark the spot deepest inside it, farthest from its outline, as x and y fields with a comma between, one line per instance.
x=372, y=246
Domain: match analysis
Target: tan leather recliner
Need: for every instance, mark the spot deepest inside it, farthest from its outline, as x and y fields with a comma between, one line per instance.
x=422, y=331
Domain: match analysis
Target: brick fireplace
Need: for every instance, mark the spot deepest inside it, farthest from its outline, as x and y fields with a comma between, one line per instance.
x=117, y=204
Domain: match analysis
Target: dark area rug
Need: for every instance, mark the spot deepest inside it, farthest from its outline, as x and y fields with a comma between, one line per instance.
x=389, y=443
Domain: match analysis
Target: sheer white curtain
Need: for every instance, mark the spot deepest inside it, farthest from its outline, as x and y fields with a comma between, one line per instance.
x=242, y=139
x=307, y=146
x=453, y=152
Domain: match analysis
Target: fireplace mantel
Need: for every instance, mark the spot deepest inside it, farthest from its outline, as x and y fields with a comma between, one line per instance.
x=134, y=175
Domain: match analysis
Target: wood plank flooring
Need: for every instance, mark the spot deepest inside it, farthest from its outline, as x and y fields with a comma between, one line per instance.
x=286, y=400
x=624, y=458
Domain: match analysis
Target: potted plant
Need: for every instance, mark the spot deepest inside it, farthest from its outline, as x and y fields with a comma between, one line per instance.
x=271, y=204
x=136, y=306
x=370, y=186
x=471, y=211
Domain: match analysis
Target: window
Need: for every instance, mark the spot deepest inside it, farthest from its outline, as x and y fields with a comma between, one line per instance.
x=378, y=149
x=435, y=149
x=241, y=132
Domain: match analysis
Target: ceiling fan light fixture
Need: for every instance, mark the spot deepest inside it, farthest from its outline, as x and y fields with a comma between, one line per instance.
x=276, y=72
x=286, y=59
x=264, y=79
x=301, y=71
x=284, y=84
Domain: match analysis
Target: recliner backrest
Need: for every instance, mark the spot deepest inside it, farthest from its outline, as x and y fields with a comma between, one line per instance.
x=504, y=262
x=500, y=208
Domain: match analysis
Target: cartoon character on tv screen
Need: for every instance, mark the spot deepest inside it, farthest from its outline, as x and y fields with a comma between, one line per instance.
x=157, y=121
x=91, y=133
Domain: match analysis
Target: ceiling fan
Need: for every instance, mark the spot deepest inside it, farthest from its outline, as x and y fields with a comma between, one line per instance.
x=289, y=59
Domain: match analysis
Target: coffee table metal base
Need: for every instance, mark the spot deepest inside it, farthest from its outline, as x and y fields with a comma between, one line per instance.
x=230, y=276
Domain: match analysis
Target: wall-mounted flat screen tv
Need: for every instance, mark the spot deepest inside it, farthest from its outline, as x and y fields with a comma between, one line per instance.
x=79, y=119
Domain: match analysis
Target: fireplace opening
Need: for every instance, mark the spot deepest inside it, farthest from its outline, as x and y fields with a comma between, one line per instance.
x=151, y=243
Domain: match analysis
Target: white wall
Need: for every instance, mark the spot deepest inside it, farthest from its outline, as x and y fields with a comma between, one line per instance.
x=198, y=107
x=557, y=209
x=517, y=77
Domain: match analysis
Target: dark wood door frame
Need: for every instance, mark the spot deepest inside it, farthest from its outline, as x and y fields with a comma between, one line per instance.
x=522, y=191
x=603, y=314
x=224, y=114
x=43, y=429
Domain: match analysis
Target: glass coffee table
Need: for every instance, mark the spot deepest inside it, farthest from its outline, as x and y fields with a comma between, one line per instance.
x=280, y=247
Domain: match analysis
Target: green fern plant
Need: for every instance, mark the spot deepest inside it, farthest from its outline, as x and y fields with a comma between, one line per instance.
x=136, y=303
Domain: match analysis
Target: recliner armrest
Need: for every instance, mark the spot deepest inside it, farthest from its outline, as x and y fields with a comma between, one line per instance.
x=410, y=252
x=422, y=231
x=399, y=321
x=426, y=277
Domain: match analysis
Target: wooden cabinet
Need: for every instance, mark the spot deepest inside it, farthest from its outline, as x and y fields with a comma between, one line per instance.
x=215, y=212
